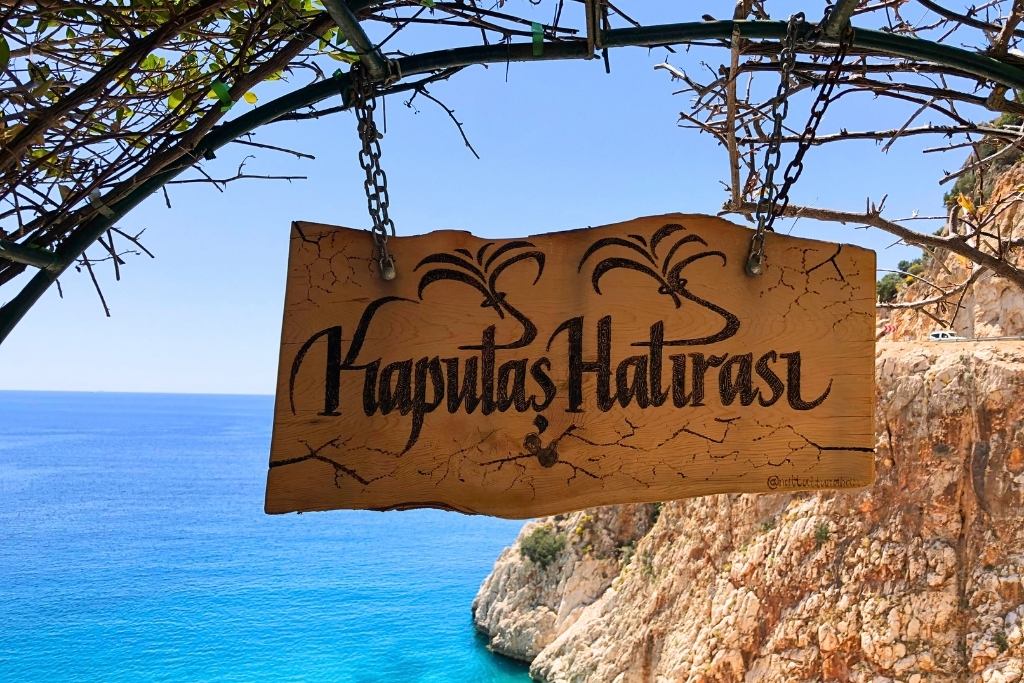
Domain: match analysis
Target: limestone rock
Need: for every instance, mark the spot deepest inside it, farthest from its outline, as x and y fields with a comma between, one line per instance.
x=991, y=306
x=521, y=606
x=920, y=577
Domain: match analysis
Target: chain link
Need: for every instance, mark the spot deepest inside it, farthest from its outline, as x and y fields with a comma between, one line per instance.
x=376, y=184
x=773, y=200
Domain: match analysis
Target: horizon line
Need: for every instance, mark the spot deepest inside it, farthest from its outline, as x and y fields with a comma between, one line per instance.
x=117, y=391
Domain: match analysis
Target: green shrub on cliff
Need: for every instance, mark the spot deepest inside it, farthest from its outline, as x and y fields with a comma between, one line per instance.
x=821, y=534
x=542, y=546
x=890, y=284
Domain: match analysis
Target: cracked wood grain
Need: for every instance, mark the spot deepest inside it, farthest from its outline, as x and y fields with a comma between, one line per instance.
x=521, y=377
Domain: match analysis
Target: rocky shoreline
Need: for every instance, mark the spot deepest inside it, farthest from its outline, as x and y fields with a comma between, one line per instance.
x=916, y=578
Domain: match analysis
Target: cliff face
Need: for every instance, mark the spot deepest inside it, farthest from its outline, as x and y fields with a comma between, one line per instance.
x=522, y=606
x=920, y=577
x=990, y=306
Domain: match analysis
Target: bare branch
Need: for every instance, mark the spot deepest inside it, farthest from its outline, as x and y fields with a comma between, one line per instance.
x=945, y=293
x=954, y=243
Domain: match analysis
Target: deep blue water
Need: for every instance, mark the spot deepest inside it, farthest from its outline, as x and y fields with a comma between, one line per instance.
x=133, y=547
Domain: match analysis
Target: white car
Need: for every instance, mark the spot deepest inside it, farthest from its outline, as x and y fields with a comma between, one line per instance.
x=945, y=335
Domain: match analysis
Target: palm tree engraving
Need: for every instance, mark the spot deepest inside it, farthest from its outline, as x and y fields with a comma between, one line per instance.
x=666, y=271
x=482, y=272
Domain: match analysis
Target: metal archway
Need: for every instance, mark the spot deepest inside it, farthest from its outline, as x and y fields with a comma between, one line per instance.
x=52, y=263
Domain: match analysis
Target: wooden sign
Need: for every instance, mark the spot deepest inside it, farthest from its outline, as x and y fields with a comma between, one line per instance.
x=524, y=377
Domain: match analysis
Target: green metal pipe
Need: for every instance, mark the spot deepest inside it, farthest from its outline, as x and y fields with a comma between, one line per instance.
x=647, y=36
x=876, y=42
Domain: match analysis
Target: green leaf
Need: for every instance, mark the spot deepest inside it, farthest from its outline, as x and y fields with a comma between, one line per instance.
x=223, y=93
x=175, y=98
x=5, y=53
x=152, y=63
x=38, y=72
x=347, y=57
x=40, y=75
x=109, y=31
x=427, y=3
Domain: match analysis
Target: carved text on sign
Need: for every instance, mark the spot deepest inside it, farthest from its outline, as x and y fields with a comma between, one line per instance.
x=527, y=376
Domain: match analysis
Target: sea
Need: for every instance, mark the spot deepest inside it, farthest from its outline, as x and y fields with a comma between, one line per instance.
x=134, y=547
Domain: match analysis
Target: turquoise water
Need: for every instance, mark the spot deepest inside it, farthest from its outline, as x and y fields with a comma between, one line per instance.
x=133, y=547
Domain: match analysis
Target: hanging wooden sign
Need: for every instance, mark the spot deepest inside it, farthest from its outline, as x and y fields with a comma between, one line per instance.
x=524, y=377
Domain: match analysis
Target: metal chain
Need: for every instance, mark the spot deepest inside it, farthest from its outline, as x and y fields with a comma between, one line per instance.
x=773, y=200
x=376, y=184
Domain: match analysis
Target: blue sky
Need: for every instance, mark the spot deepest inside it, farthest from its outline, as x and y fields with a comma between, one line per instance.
x=563, y=145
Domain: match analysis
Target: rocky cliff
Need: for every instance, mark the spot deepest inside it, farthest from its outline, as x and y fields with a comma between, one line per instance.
x=920, y=577
x=989, y=306
x=522, y=605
